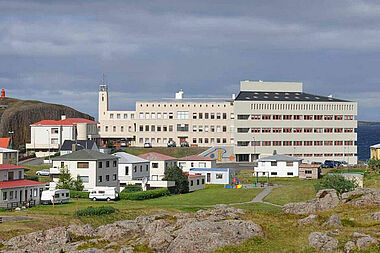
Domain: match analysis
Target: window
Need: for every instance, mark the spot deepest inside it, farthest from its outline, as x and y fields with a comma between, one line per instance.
x=287, y=130
x=308, y=172
x=197, y=181
x=256, y=117
x=266, y=117
x=114, y=163
x=111, y=116
x=242, y=116
x=328, y=117
x=141, y=115
x=297, y=117
x=276, y=117
x=84, y=179
x=114, y=177
x=338, y=117
x=170, y=115
x=107, y=164
x=287, y=117
x=289, y=164
x=297, y=130
x=318, y=117
x=308, y=130
x=114, y=128
x=118, y=116
x=126, y=170
x=182, y=127
x=219, y=176
x=277, y=130
x=329, y=130
x=182, y=115
x=218, y=115
x=308, y=117
x=82, y=165
x=147, y=128
x=276, y=143
x=224, y=115
x=125, y=116
x=287, y=143
x=266, y=130
x=206, y=115
x=155, y=165
x=54, y=130
x=273, y=164
x=290, y=173
x=273, y=173
x=54, y=141
x=266, y=143
x=107, y=177
x=212, y=115
x=122, y=129
x=191, y=182
x=100, y=179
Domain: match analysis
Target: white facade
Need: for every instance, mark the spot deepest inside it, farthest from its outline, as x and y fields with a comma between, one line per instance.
x=277, y=166
x=158, y=163
x=132, y=168
x=213, y=175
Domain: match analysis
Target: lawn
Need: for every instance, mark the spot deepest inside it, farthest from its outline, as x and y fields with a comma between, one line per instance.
x=175, y=152
x=48, y=216
x=32, y=169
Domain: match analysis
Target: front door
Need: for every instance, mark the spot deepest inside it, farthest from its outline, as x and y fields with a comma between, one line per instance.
x=208, y=177
x=20, y=196
x=26, y=195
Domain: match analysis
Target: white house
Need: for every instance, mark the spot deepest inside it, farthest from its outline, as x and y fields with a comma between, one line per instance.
x=15, y=190
x=158, y=164
x=8, y=156
x=196, y=182
x=69, y=146
x=195, y=161
x=278, y=166
x=213, y=175
x=94, y=168
x=47, y=136
x=132, y=168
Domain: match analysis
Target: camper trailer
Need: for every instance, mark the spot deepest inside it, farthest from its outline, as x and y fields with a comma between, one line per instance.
x=58, y=196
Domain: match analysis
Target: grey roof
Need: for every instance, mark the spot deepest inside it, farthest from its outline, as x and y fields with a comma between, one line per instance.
x=67, y=144
x=375, y=146
x=84, y=155
x=128, y=158
x=284, y=96
x=282, y=158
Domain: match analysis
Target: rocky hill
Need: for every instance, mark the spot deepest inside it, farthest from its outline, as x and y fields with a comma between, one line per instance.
x=20, y=114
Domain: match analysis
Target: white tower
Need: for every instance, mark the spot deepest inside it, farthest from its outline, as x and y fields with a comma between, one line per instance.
x=103, y=100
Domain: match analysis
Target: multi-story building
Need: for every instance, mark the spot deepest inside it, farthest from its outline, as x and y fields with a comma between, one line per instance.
x=47, y=136
x=279, y=116
x=200, y=122
x=265, y=117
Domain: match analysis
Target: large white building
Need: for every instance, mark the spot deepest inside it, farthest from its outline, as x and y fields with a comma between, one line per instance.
x=47, y=136
x=264, y=117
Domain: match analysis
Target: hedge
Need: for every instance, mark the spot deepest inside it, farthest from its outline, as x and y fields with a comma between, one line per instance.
x=81, y=195
x=151, y=194
x=132, y=188
x=95, y=211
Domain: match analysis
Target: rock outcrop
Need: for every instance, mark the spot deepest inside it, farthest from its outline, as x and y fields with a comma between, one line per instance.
x=362, y=197
x=203, y=232
x=20, y=114
x=322, y=242
x=333, y=221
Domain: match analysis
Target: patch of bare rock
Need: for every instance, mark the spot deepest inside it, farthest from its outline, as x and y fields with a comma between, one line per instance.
x=328, y=199
x=205, y=231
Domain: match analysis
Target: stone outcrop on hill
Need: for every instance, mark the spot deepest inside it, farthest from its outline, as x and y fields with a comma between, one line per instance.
x=327, y=199
x=20, y=114
x=203, y=232
x=323, y=242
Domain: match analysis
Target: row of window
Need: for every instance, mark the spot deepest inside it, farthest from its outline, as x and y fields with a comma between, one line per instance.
x=294, y=143
x=192, y=182
x=135, y=169
x=188, y=105
x=125, y=116
x=195, y=140
x=13, y=195
x=295, y=130
x=293, y=117
x=302, y=106
x=107, y=179
x=183, y=128
x=183, y=115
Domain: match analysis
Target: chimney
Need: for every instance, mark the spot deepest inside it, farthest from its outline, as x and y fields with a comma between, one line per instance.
x=73, y=147
x=63, y=117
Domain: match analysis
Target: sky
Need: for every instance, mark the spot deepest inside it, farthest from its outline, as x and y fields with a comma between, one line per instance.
x=57, y=51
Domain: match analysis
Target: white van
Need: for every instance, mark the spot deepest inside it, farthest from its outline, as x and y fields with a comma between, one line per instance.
x=59, y=196
x=104, y=193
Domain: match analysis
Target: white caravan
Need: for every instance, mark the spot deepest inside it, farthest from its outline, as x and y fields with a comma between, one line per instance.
x=58, y=196
x=104, y=193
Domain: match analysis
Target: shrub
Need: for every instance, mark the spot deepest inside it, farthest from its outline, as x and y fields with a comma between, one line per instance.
x=151, y=194
x=132, y=188
x=80, y=194
x=337, y=182
x=33, y=178
x=181, y=181
x=95, y=211
x=374, y=164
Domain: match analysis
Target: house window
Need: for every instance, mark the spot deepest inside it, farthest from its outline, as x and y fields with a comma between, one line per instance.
x=100, y=164
x=54, y=140
x=126, y=170
x=134, y=168
x=202, y=165
x=107, y=164
x=290, y=173
x=289, y=164
x=182, y=115
x=84, y=179
x=114, y=177
x=100, y=179
x=82, y=165
x=54, y=130
x=191, y=183
x=155, y=165
x=146, y=167
x=273, y=173
x=107, y=177
x=114, y=164
x=273, y=164
x=308, y=172
x=203, y=181
x=197, y=181
x=219, y=176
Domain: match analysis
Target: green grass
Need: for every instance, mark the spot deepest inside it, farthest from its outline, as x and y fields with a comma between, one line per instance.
x=32, y=169
x=175, y=152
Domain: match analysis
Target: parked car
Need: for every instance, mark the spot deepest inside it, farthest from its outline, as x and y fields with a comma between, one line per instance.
x=331, y=164
x=184, y=144
x=44, y=172
x=172, y=144
x=103, y=193
x=58, y=196
x=147, y=145
x=344, y=164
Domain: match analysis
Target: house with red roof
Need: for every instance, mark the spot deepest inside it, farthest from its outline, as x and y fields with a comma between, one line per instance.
x=158, y=164
x=195, y=161
x=47, y=136
x=16, y=191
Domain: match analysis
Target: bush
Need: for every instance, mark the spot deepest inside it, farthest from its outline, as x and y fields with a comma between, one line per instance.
x=33, y=178
x=132, y=188
x=151, y=194
x=337, y=182
x=95, y=211
x=80, y=194
x=374, y=164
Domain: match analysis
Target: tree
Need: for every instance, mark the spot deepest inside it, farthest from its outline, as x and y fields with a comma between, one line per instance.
x=65, y=180
x=336, y=182
x=374, y=164
x=181, y=181
x=78, y=184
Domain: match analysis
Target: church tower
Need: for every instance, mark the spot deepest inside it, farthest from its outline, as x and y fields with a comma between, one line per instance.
x=103, y=100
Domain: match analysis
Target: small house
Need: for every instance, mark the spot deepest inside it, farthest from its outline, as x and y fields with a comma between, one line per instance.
x=213, y=175
x=132, y=168
x=8, y=156
x=195, y=161
x=196, y=182
x=278, y=166
x=158, y=164
x=309, y=171
x=70, y=146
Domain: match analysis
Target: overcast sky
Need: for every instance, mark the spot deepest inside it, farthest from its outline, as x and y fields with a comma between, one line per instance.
x=56, y=51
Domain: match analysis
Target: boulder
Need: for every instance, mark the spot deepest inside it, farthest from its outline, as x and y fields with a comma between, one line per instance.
x=375, y=216
x=362, y=197
x=322, y=242
x=325, y=200
x=349, y=246
x=333, y=221
x=117, y=230
x=160, y=240
x=365, y=242
x=308, y=220
x=81, y=231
